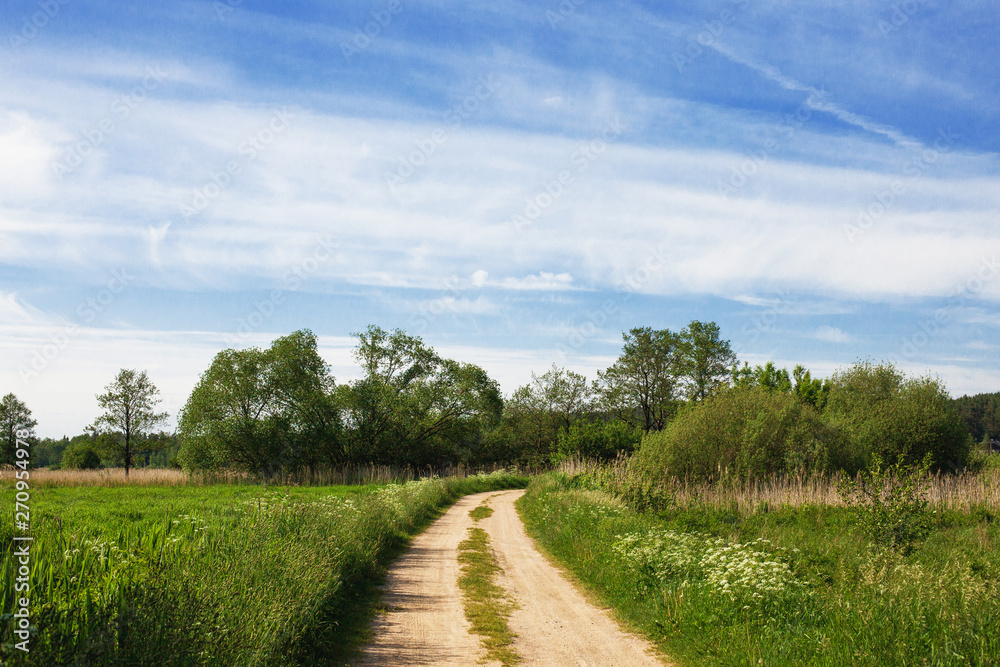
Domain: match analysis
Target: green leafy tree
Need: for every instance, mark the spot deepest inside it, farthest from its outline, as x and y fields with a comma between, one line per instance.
x=641, y=386
x=81, y=455
x=604, y=439
x=981, y=414
x=813, y=391
x=744, y=433
x=15, y=417
x=886, y=414
x=705, y=360
x=129, y=405
x=263, y=410
x=305, y=393
x=412, y=406
x=767, y=377
x=538, y=412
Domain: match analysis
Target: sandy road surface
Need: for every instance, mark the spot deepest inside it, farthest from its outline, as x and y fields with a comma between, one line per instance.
x=555, y=624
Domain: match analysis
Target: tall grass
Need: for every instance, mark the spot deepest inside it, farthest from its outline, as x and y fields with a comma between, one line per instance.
x=961, y=492
x=274, y=579
x=773, y=574
x=323, y=476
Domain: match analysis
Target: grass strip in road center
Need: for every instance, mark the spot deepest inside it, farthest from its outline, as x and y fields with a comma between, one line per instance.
x=486, y=603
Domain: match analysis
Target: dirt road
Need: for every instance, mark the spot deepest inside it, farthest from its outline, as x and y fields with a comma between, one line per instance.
x=554, y=623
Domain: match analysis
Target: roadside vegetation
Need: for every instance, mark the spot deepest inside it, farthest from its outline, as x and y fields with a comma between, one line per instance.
x=222, y=574
x=737, y=578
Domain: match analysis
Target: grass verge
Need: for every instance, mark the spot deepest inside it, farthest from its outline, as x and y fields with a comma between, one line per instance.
x=786, y=585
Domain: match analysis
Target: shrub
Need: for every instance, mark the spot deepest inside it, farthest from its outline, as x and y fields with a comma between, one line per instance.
x=890, y=503
x=746, y=433
x=80, y=455
x=599, y=439
x=884, y=414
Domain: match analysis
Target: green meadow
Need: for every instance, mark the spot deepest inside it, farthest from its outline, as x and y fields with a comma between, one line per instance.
x=218, y=574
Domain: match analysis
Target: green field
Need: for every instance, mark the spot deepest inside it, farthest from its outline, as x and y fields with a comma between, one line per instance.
x=725, y=583
x=221, y=574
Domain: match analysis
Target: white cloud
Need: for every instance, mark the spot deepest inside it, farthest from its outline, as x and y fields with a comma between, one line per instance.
x=830, y=334
x=541, y=281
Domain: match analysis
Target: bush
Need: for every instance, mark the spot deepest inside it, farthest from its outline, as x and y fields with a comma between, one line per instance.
x=598, y=440
x=746, y=433
x=890, y=503
x=81, y=455
x=884, y=414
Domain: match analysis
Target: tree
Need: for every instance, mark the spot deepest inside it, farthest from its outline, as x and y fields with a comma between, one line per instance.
x=896, y=418
x=263, y=410
x=412, y=406
x=768, y=377
x=705, y=360
x=81, y=456
x=640, y=387
x=811, y=390
x=15, y=417
x=129, y=409
x=230, y=417
x=539, y=411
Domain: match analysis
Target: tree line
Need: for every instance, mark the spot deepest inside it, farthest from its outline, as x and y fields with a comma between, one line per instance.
x=280, y=409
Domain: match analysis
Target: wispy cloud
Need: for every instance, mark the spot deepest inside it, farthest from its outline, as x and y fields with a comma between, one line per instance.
x=830, y=334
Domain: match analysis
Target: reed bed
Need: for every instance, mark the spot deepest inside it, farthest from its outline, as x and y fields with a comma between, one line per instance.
x=963, y=491
x=338, y=476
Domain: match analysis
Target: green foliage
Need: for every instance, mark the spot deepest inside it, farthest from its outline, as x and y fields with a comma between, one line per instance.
x=413, y=407
x=897, y=418
x=537, y=413
x=81, y=455
x=640, y=387
x=890, y=503
x=129, y=408
x=704, y=360
x=779, y=586
x=263, y=410
x=981, y=414
x=602, y=440
x=745, y=433
x=767, y=377
x=152, y=575
x=15, y=417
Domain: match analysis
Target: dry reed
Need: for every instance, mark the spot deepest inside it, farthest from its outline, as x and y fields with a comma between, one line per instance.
x=355, y=474
x=962, y=491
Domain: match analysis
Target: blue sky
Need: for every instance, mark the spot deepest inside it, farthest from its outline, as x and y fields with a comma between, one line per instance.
x=515, y=183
